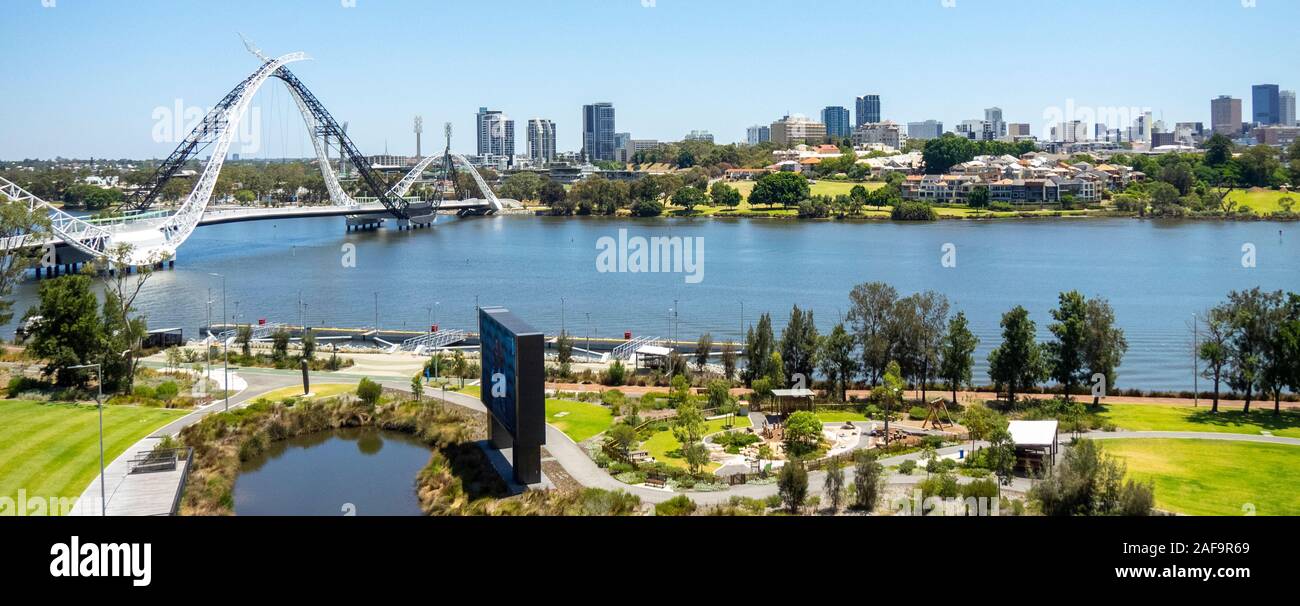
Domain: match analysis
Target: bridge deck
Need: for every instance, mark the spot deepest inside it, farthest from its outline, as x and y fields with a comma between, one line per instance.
x=133, y=494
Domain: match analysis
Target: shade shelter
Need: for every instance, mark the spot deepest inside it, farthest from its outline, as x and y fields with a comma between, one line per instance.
x=787, y=400
x=654, y=356
x=1036, y=443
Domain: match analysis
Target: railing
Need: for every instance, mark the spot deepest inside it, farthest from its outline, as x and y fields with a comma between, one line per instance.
x=163, y=459
x=627, y=350
x=433, y=340
x=257, y=332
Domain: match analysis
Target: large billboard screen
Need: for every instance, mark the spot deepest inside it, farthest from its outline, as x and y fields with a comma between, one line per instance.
x=499, y=379
x=513, y=388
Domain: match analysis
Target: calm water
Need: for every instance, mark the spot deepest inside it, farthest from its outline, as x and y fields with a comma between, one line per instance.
x=368, y=471
x=1156, y=274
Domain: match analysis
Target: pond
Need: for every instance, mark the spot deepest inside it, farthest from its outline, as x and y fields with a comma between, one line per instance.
x=360, y=471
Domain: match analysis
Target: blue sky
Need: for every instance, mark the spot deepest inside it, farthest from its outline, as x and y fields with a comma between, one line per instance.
x=85, y=77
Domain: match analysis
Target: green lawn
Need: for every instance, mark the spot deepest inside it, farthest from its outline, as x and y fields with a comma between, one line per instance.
x=664, y=447
x=1210, y=477
x=1155, y=417
x=578, y=420
x=323, y=390
x=52, y=450
x=839, y=416
x=1262, y=201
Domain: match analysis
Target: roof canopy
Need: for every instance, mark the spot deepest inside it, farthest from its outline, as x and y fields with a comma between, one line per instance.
x=1032, y=433
x=802, y=392
x=653, y=350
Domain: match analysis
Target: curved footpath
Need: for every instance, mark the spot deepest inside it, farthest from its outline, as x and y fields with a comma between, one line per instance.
x=573, y=458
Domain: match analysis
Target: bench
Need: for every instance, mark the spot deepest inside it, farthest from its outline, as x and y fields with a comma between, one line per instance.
x=154, y=461
x=656, y=481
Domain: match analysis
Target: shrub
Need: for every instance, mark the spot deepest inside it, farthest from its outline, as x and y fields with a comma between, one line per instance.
x=986, y=488
x=913, y=211
x=907, y=467
x=369, y=391
x=916, y=413
x=140, y=391
x=676, y=506
x=166, y=391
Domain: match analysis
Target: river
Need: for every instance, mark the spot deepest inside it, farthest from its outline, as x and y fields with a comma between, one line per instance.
x=1155, y=273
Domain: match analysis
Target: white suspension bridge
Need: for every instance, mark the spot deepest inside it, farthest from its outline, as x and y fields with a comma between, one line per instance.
x=141, y=236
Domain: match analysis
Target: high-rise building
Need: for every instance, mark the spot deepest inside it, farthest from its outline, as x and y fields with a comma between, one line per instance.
x=1286, y=107
x=623, y=147
x=791, y=130
x=836, y=119
x=868, y=107
x=758, y=133
x=1225, y=115
x=1265, y=102
x=598, y=131
x=930, y=129
x=496, y=133
x=882, y=133
x=699, y=135
x=993, y=116
x=1018, y=129
x=541, y=140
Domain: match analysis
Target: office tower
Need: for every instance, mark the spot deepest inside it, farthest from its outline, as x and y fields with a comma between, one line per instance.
x=836, y=119
x=1286, y=108
x=929, y=129
x=1265, y=102
x=541, y=140
x=758, y=133
x=868, y=107
x=792, y=130
x=496, y=133
x=1225, y=115
x=993, y=116
x=598, y=132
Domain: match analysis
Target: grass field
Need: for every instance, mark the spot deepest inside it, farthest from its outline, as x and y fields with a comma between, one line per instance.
x=323, y=390
x=1262, y=201
x=664, y=447
x=1209, y=477
x=578, y=420
x=1154, y=417
x=839, y=416
x=52, y=450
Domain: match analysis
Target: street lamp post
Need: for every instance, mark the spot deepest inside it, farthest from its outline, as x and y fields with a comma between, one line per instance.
x=225, y=346
x=588, y=335
x=99, y=404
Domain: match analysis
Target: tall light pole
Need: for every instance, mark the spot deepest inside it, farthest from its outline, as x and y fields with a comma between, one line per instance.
x=225, y=346
x=99, y=404
x=561, y=315
x=207, y=371
x=376, y=313
x=742, y=322
x=588, y=335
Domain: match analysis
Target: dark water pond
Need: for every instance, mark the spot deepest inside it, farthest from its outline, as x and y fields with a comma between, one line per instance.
x=359, y=471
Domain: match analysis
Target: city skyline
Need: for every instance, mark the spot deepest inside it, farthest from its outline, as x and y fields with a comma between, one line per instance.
x=64, y=45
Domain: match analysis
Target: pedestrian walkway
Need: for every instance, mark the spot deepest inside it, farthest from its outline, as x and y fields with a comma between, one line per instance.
x=134, y=494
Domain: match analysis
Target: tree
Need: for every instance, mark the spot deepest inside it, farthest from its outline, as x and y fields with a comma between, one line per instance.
x=69, y=331
x=621, y=437
x=833, y=486
x=1215, y=347
x=1280, y=356
x=759, y=342
x=647, y=208
x=1000, y=456
x=728, y=360
x=978, y=197
x=799, y=345
x=868, y=480
x=1218, y=150
x=1249, y=316
x=803, y=433
x=784, y=188
x=689, y=197
x=124, y=332
x=597, y=195
x=1064, y=355
x=929, y=314
x=1088, y=482
x=564, y=352
x=703, y=348
x=1103, y=343
x=725, y=195
x=956, y=354
x=308, y=345
x=523, y=185
x=17, y=221
x=554, y=196
x=981, y=422
x=792, y=485
x=943, y=153
x=244, y=337
x=838, y=362
x=1016, y=364
x=369, y=391
x=871, y=306
x=280, y=345
x=720, y=398
x=417, y=386
x=689, y=427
